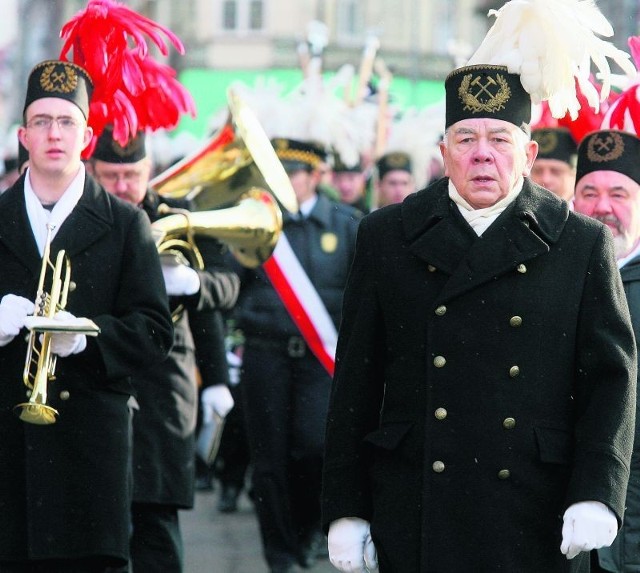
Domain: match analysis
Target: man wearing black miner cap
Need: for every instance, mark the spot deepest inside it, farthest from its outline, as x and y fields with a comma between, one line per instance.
x=555, y=165
x=483, y=405
x=395, y=179
x=164, y=422
x=65, y=487
x=608, y=189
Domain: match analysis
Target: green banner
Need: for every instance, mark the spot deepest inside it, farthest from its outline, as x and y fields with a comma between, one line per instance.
x=209, y=88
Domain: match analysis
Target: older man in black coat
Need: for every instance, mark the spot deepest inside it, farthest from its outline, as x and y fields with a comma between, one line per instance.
x=483, y=405
x=608, y=189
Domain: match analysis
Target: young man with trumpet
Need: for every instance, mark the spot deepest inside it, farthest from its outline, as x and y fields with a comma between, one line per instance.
x=65, y=487
x=164, y=421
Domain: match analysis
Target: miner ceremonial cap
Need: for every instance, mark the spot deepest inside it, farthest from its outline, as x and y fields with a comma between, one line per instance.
x=609, y=150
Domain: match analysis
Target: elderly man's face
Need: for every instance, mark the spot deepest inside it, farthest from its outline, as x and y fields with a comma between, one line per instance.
x=613, y=199
x=556, y=176
x=485, y=157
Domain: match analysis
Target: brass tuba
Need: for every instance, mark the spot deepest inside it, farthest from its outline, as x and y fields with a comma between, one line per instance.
x=234, y=183
x=250, y=229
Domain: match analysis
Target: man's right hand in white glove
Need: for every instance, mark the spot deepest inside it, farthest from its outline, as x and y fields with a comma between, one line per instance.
x=180, y=280
x=13, y=310
x=351, y=549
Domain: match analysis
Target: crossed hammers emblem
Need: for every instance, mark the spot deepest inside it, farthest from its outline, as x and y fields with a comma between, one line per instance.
x=484, y=87
x=603, y=145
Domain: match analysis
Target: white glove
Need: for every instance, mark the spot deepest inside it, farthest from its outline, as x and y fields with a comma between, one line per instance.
x=66, y=343
x=587, y=525
x=350, y=546
x=180, y=280
x=13, y=310
x=216, y=399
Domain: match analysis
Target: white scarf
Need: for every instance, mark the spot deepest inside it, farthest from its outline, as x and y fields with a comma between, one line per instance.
x=632, y=255
x=40, y=218
x=481, y=219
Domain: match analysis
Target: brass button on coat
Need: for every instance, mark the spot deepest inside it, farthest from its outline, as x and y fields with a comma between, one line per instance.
x=441, y=310
x=514, y=371
x=509, y=423
x=431, y=268
x=504, y=474
x=439, y=361
x=515, y=321
x=521, y=268
x=441, y=414
x=438, y=467
x=64, y=395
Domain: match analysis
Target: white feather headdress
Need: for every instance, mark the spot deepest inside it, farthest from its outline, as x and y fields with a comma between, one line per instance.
x=417, y=133
x=314, y=111
x=551, y=44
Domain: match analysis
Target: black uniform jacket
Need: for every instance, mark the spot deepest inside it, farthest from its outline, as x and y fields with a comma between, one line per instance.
x=624, y=555
x=65, y=489
x=324, y=245
x=167, y=391
x=483, y=384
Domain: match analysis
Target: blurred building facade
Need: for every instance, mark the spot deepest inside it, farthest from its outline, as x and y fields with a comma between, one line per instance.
x=418, y=39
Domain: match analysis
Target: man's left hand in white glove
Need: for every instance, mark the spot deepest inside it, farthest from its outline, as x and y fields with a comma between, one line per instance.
x=215, y=399
x=587, y=525
x=66, y=343
x=180, y=280
x=351, y=549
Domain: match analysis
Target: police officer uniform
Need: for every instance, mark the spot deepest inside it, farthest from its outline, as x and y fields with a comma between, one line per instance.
x=285, y=388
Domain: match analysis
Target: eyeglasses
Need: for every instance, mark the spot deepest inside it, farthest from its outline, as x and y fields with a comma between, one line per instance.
x=113, y=177
x=45, y=122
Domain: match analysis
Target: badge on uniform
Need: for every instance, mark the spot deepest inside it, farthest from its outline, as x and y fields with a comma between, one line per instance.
x=329, y=242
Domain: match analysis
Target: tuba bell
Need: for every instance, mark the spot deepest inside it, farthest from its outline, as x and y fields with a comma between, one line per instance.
x=250, y=229
x=237, y=158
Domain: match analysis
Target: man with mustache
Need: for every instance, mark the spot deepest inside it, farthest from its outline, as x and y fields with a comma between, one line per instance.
x=608, y=189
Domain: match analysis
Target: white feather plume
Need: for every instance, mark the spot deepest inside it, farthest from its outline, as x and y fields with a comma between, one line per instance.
x=314, y=111
x=417, y=132
x=551, y=44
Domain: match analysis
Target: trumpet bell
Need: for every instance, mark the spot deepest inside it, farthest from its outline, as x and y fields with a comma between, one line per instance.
x=39, y=414
x=250, y=229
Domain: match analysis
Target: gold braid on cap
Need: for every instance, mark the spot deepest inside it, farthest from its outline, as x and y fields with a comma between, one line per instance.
x=299, y=155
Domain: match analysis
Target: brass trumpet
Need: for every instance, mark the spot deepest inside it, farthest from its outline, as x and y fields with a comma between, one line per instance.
x=40, y=363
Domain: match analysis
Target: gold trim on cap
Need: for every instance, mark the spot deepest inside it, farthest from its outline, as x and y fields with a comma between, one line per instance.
x=605, y=147
x=472, y=89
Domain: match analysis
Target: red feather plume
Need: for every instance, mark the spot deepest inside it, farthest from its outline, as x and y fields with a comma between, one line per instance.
x=132, y=91
x=587, y=121
x=624, y=114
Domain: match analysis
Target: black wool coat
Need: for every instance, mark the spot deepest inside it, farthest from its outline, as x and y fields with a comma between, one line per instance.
x=164, y=424
x=65, y=489
x=483, y=385
x=624, y=554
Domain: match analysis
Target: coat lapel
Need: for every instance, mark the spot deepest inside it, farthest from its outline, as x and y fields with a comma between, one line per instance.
x=439, y=235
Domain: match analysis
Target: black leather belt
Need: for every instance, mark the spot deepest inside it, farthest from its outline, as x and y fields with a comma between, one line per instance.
x=292, y=346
